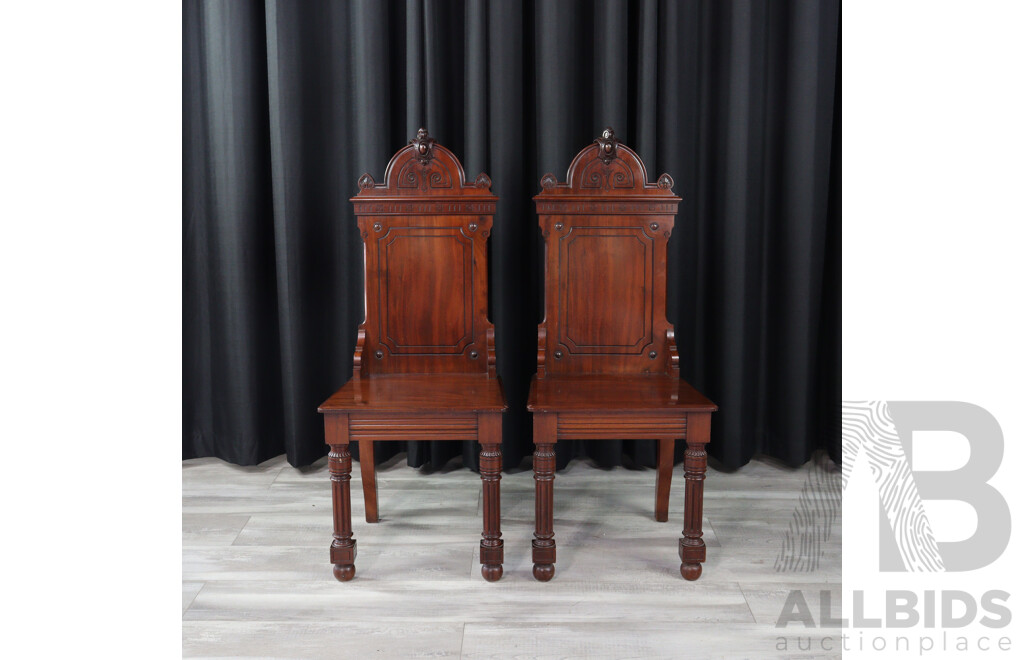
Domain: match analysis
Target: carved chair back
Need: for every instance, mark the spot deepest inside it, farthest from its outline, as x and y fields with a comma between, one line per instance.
x=425, y=235
x=606, y=230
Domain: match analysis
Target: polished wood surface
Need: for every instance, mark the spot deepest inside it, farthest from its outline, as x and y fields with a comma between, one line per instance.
x=625, y=393
x=606, y=230
x=607, y=362
x=425, y=233
x=424, y=362
x=418, y=392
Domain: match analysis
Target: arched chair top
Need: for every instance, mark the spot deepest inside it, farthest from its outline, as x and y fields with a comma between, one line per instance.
x=424, y=168
x=607, y=168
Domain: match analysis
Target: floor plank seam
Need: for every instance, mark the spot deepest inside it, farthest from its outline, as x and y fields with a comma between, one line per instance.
x=248, y=519
x=753, y=618
x=194, y=596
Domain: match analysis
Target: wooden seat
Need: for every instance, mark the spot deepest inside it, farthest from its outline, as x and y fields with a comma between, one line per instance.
x=447, y=393
x=593, y=393
x=607, y=365
x=424, y=365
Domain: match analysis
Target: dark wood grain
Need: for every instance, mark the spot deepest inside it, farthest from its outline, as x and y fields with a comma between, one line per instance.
x=544, y=481
x=369, y=475
x=448, y=393
x=339, y=465
x=424, y=362
x=607, y=361
x=492, y=548
x=627, y=393
x=663, y=484
x=691, y=547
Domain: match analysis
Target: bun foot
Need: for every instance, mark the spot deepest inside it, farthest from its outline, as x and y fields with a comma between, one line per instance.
x=543, y=572
x=690, y=571
x=491, y=572
x=344, y=572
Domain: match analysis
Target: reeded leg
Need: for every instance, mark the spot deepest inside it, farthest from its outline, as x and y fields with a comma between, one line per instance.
x=691, y=547
x=339, y=463
x=492, y=548
x=544, y=475
x=368, y=469
x=663, y=484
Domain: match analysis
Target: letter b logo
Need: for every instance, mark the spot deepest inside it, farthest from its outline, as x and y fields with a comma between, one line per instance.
x=883, y=431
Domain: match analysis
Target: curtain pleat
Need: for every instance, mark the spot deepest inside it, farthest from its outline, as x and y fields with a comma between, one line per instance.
x=287, y=103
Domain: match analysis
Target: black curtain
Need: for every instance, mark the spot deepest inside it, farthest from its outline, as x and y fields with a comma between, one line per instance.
x=287, y=103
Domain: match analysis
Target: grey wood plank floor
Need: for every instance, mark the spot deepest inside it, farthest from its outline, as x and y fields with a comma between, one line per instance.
x=256, y=581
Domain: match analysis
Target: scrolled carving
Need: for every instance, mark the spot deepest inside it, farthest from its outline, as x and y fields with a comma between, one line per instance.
x=607, y=174
x=673, y=352
x=440, y=179
x=427, y=166
x=542, y=350
x=548, y=181
x=607, y=145
x=424, y=145
x=492, y=353
x=357, y=359
x=407, y=178
x=431, y=173
x=609, y=165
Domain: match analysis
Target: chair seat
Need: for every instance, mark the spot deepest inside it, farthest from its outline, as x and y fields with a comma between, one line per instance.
x=415, y=393
x=615, y=393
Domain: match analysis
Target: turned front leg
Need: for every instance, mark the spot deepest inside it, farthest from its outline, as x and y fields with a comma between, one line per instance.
x=339, y=463
x=544, y=475
x=691, y=547
x=492, y=550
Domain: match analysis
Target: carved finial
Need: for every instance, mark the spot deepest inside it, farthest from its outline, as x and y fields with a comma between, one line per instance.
x=607, y=145
x=548, y=181
x=665, y=182
x=366, y=181
x=424, y=145
x=482, y=181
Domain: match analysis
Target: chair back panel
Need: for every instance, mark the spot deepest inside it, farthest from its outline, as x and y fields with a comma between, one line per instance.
x=606, y=230
x=425, y=235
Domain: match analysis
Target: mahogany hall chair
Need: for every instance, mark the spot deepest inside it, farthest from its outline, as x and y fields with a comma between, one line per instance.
x=424, y=365
x=607, y=365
